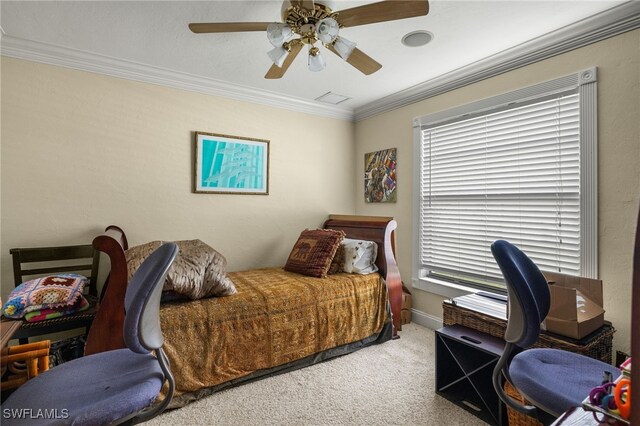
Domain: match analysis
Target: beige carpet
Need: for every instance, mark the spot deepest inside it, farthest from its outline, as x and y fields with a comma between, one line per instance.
x=388, y=384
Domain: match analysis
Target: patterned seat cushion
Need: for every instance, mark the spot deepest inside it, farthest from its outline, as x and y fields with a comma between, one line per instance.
x=50, y=292
x=50, y=313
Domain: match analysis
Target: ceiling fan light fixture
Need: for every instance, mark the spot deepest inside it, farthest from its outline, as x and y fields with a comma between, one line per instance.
x=307, y=22
x=278, y=33
x=316, y=61
x=278, y=55
x=344, y=47
x=327, y=30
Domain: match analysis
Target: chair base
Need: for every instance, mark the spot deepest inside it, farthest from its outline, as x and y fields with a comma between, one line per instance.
x=519, y=419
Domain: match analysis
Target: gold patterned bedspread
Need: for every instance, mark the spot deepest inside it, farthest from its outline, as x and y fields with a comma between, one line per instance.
x=276, y=317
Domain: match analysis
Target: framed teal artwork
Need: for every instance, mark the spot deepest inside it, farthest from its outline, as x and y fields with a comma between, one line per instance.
x=231, y=164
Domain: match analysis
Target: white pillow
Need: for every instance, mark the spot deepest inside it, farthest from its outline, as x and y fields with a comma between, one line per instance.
x=359, y=256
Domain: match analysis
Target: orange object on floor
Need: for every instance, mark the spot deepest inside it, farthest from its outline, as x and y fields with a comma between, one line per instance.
x=23, y=362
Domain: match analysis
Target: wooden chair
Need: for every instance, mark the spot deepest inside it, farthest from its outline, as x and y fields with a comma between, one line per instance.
x=29, y=263
x=119, y=386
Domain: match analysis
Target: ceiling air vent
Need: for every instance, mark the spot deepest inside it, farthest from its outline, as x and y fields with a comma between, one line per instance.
x=332, y=98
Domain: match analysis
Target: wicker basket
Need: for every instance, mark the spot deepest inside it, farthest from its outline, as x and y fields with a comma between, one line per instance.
x=516, y=418
x=597, y=345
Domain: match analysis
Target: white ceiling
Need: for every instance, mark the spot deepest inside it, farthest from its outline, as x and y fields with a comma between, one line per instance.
x=155, y=33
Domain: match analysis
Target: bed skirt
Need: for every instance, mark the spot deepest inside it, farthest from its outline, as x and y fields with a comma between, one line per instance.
x=189, y=397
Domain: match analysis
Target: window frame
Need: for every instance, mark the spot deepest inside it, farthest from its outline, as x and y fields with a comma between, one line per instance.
x=585, y=82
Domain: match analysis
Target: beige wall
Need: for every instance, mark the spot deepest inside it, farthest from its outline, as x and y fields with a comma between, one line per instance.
x=618, y=62
x=81, y=151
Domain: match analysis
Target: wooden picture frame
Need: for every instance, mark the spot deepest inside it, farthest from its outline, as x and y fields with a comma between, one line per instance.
x=226, y=164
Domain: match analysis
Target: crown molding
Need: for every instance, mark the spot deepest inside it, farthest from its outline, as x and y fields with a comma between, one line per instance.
x=29, y=50
x=620, y=19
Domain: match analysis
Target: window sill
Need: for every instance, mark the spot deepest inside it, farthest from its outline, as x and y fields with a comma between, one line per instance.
x=441, y=288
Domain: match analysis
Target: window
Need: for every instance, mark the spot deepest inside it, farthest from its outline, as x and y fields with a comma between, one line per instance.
x=519, y=167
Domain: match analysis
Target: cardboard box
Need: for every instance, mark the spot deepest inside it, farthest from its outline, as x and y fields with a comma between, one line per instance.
x=405, y=314
x=576, y=305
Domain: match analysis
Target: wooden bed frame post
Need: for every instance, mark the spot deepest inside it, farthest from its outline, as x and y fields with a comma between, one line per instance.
x=108, y=334
x=394, y=281
x=380, y=229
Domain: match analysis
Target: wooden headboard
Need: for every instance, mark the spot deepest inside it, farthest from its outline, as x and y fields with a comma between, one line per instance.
x=106, y=332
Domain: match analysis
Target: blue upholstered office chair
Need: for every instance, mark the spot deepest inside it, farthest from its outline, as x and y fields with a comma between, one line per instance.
x=111, y=387
x=552, y=380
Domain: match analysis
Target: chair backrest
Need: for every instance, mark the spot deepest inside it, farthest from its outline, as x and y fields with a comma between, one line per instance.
x=34, y=262
x=529, y=297
x=529, y=300
x=142, y=332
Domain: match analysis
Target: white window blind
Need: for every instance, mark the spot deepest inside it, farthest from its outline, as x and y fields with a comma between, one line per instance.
x=510, y=174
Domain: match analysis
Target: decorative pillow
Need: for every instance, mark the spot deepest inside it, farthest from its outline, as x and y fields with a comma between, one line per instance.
x=360, y=256
x=337, y=262
x=198, y=271
x=312, y=253
x=50, y=292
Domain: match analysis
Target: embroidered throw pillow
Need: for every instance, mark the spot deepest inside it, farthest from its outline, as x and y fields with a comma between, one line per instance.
x=312, y=253
x=198, y=271
x=50, y=292
x=360, y=256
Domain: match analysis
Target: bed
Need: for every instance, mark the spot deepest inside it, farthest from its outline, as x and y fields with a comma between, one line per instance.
x=278, y=321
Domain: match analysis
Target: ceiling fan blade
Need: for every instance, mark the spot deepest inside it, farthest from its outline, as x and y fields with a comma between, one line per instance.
x=389, y=10
x=276, y=71
x=223, y=27
x=360, y=60
x=307, y=4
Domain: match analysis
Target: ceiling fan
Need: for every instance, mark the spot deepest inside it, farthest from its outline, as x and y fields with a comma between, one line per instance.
x=306, y=22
